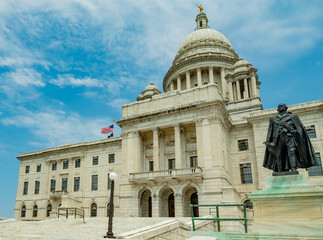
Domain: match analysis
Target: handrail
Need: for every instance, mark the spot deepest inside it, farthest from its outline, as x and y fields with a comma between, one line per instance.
x=218, y=219
x=75, y=213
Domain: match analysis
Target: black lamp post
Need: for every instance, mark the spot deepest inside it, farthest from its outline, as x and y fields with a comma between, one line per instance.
x=113, y=176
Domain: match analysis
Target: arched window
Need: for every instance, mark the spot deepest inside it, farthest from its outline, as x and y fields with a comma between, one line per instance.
x=23, y=211
x=248, y=204
x=49, y=209
x=200, y=23
x=35, y=211
x=93, y=210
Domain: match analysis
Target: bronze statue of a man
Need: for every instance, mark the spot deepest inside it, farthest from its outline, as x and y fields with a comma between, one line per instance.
x=288, y=146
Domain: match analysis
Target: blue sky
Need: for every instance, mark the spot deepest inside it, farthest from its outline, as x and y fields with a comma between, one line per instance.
x=67, y=66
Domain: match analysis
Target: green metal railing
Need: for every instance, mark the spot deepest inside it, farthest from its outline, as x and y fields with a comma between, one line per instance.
x=218, y=219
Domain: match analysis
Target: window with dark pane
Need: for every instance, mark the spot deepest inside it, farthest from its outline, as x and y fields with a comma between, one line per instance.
x=23, y=211
x=76, y=184
x=193, y=161
x=94, y=183
x=25, y=192
x=35, y=211
x=93, y=210
x=151, y=166
x=65, y=164
x=245, y=173
x=171, y=163
x=52, y=185
x=64, y=184
x=27, y=169
x=243, y=145
x=111, y=158
x=37, y=185
x=95, y=160
x=48, y=210
x=316, y=170
x=54, y=166
x=311, y=131
x=38, y=167
x=77, y=163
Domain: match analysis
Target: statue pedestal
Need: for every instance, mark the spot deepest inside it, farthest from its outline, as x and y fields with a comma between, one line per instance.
x=288, y=204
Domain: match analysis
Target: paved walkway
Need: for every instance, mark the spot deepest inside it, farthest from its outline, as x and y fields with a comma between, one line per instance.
x=92, y=229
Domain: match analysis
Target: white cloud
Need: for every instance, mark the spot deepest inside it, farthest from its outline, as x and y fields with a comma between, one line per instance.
x=25, y=77
x=54, y=127
x=69, y=80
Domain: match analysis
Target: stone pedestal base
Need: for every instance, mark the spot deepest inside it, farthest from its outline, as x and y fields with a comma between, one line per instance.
x=288, y=204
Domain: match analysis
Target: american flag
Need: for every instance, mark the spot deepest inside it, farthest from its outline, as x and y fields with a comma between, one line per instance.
x=107, y=129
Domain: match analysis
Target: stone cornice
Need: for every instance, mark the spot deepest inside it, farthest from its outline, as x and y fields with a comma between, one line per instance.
x=307, y=107
x=69, y=146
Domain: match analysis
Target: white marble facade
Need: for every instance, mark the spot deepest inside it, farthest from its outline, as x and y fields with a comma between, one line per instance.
x=190, y=144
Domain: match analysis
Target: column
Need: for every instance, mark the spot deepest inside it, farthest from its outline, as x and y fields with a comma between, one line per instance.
x=223, y=83
x=188, y=80
x=199, y=142
x=199, y=77
x=211, y=76
x=178, y=205
x=238, y=90
x=246, y=92
x=179, y=84
x=254, y=86
x=172, y=85
x=178, y=150
x=155, y=205
x=137, y=157
x=156, y=149
x=230, y=91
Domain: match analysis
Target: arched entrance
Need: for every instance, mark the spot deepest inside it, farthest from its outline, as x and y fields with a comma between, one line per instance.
x=171, y=205
x=190, y=196
x=195, y=200
x=145, y=204
x=166, y=202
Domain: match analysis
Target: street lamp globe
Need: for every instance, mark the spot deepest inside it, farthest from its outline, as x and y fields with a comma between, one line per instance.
x=113, y=176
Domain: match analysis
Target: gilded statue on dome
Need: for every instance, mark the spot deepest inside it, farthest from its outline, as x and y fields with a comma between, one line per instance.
x=200, y=7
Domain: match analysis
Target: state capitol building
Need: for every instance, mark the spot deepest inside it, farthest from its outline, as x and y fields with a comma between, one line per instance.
x=199, y=141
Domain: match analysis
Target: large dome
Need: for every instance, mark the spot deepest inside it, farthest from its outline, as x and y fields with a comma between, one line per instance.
x=204, y=41
x=203, y=35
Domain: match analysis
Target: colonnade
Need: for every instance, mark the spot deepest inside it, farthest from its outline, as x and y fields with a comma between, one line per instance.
x=249, y=86
x=198, y=71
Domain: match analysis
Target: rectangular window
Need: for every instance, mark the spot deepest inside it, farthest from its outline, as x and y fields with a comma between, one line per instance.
x=111, y=158
x=25, y=188
x=94, y=182
x=76, y=184
x=95, y=160
x=171, y=163
x=27, y=169
x=65, y=164
x=109, y=182
x=52, y=185
x=245, y=173
x=38, y=167
x=193, y=161
x=64, y=184
x=151, y=166
x=316, y=170
x=77, y=163
x=54, y=166
x=37, y=185
x=243, y=145
x=311, y=131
